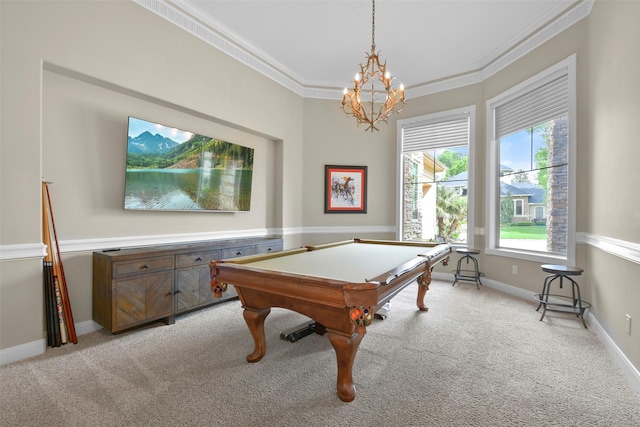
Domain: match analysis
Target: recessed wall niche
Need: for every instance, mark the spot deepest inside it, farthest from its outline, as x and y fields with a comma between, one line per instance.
x=83, y=152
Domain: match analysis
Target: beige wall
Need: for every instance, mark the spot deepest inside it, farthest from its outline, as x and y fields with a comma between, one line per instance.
x=73, y=71
x=572, y=40
x=332, y=138
x=612, y=127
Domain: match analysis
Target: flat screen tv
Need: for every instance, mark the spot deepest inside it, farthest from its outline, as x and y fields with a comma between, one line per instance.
x=169, y=169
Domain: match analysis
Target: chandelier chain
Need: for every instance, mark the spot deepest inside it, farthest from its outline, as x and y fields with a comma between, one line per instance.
x=373, y=26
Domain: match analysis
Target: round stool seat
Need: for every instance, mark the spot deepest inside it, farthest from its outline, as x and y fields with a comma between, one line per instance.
x=468, y=251
x=564, y=270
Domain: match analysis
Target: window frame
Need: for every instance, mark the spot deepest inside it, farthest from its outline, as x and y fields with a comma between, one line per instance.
x=470, y=112
x=492, y=247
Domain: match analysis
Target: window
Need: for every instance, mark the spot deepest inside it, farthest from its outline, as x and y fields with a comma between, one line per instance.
x=435, y=188
x=519, y=209
x=531, y=167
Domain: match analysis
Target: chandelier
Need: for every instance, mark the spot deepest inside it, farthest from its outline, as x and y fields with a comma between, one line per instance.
x=375, y=80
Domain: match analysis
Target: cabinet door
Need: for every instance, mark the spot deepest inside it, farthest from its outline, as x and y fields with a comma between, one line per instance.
x=189, y=284
x=143, y=298
x=193, y=287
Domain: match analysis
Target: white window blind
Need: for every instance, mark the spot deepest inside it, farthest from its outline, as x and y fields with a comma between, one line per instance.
x=442, y=134
x=542, y=104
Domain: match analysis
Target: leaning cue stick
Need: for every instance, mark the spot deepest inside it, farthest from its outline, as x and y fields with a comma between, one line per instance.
x=62, y=282
x=57, y=316
x=54, y=337
x=46, y=275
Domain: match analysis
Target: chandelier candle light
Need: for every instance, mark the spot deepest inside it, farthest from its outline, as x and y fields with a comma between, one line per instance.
x=373, y=75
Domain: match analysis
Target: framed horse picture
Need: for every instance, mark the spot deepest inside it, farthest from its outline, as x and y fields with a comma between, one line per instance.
x=345, y=189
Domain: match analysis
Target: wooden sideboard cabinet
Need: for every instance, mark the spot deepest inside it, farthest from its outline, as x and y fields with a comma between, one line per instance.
x=136, y=286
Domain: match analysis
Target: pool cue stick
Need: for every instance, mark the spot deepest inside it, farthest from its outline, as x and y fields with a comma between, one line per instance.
x=53, y=322
x=57, y=316
x=46, y=275
x=59, y=310
x=52, y=313
x=62, y=281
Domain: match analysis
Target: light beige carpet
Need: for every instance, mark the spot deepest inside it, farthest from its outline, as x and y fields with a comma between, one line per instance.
x=476, y=358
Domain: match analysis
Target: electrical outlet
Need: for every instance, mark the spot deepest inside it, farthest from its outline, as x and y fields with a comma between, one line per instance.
x=514, y=269
x=627, y=324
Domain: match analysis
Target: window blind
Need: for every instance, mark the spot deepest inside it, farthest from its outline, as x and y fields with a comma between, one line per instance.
x=542, y=104
x=441, y=134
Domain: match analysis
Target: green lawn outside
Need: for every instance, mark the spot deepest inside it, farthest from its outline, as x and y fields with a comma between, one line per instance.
x=534, y=232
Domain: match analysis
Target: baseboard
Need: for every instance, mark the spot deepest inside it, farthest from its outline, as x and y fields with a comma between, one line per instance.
x=22, y=351
x=628, y=370
x=38, y=347
x=87, y=327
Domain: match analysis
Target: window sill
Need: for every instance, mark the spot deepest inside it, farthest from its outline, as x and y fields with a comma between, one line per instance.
x=540, y=257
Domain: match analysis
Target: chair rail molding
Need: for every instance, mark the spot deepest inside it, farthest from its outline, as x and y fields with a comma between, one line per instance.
x=23, y=251
x=620, y=248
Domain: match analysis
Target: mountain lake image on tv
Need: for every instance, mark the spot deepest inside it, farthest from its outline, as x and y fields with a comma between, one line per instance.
x=169, y=169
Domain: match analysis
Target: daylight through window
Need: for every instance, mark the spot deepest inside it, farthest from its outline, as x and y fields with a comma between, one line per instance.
x=434, y=161
x=531, y=147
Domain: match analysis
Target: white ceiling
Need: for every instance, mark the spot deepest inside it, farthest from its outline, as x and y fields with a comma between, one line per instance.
x=318, y=44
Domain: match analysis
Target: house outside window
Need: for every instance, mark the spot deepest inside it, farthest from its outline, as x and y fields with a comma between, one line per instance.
x=434, y=157
x=531, y=172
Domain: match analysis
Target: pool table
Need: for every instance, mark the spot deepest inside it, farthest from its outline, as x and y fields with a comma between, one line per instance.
x=338, y=285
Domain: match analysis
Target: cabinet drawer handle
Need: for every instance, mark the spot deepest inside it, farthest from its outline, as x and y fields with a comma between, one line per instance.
x=199, y=258
x=269, y=249
x=146, y=266
x=238, y=253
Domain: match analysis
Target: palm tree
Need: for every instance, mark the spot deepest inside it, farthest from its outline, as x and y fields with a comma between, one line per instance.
x=451, y=208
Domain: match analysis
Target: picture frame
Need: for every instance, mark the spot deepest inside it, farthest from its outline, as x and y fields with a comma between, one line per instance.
x=345, y=189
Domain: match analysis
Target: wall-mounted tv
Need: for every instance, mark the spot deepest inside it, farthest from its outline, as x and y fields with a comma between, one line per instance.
x=169, y=169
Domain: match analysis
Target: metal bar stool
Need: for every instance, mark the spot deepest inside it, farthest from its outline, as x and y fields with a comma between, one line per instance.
x=468, y=274
x=561, y=303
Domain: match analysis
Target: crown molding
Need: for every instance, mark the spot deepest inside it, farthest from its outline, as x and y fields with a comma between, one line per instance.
x=564, y=21
x=220, y=37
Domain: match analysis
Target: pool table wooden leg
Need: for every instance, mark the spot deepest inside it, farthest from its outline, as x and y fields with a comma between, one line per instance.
x=255, y=322
x=345, y=347
x=423, y=286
